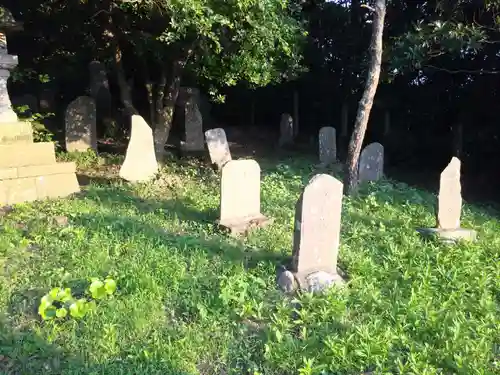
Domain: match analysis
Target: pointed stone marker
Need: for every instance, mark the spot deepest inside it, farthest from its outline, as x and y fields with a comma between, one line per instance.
x=140, y=160
x=450, y=207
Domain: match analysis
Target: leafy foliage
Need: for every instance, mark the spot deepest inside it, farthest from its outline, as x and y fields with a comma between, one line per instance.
x=59, y=301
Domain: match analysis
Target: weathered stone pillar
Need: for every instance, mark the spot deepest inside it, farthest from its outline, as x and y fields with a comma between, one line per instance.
x=28, y=171
x=11, y=130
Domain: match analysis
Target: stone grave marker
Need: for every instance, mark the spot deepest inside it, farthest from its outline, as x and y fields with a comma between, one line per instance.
x=240, y=196
x=81, y=125
x=316, y=237
x=371, y=163
x=47, y=100
x=286, y=130
x=190, y=98
x=140, y=162
x=327, y=145
x=450, y=196
x=449, y=207
x=218, y=146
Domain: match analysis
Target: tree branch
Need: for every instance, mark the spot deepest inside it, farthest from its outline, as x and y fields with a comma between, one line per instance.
x=461, y=71
x=370, y=8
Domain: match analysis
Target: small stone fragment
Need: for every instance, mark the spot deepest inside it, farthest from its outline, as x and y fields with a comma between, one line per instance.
x=61, y=221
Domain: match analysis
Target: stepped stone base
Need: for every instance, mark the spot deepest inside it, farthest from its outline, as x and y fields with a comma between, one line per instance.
x=29, y=171
x=244, y=225
x=450, y=236
x=15, y=132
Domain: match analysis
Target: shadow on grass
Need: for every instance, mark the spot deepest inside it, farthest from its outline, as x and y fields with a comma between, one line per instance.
x=24, y=352
x=213, y=246
x=171, y=208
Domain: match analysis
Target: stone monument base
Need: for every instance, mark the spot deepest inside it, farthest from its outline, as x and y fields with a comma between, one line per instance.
x=449, y=235
x=16, y=132
x=312, y=282
x=29, y=171
x=244, y=225
x=188, y=147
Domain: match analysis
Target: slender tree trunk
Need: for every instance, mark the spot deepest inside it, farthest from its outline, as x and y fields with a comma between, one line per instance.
x=125, y=91
x=366, y=102
x=160, y=94
x=296, y=112
x=151, y=103
x=252, y=111
x=344, y=120
x=458, y=139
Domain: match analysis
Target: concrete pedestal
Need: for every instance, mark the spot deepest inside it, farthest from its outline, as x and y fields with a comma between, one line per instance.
x=449, y=235
x=244, y=225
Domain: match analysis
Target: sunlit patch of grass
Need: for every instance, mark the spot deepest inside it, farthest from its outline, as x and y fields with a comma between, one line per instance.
x=192, y=300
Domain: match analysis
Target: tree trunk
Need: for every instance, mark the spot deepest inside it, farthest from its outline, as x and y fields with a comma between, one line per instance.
x=387, y=124
x=295, y=113
x=458, y=139
x=344, y=120
x=125, y=91
x=366, y=102
x=160, y=94
x=166, y=111
x=151, y=103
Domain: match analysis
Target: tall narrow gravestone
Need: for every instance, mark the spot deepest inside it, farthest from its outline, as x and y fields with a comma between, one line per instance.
x=316, y=236
x=327, y=145
x=286, y=130
x=218, y=147
x=99, y=85
x=140, y=160
x=81, y=125
x=240, y=196
x=371, y=163
x=193, y=119
x=449, y=207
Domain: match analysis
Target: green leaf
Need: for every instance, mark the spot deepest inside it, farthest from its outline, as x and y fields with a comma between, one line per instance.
x=97, y=289
x=61, y=313
x=78, y=309
x=48, y=313
x=110, y=286
x=53, y=293
x=46, y=301
x=64, y=295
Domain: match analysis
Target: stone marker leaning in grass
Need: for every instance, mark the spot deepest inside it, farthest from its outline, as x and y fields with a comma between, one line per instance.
x=240, y=196
x=140, y=160
x=316, y=237
x=450, y=207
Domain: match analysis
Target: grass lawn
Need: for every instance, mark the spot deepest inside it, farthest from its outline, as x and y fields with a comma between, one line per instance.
x=192, y=300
